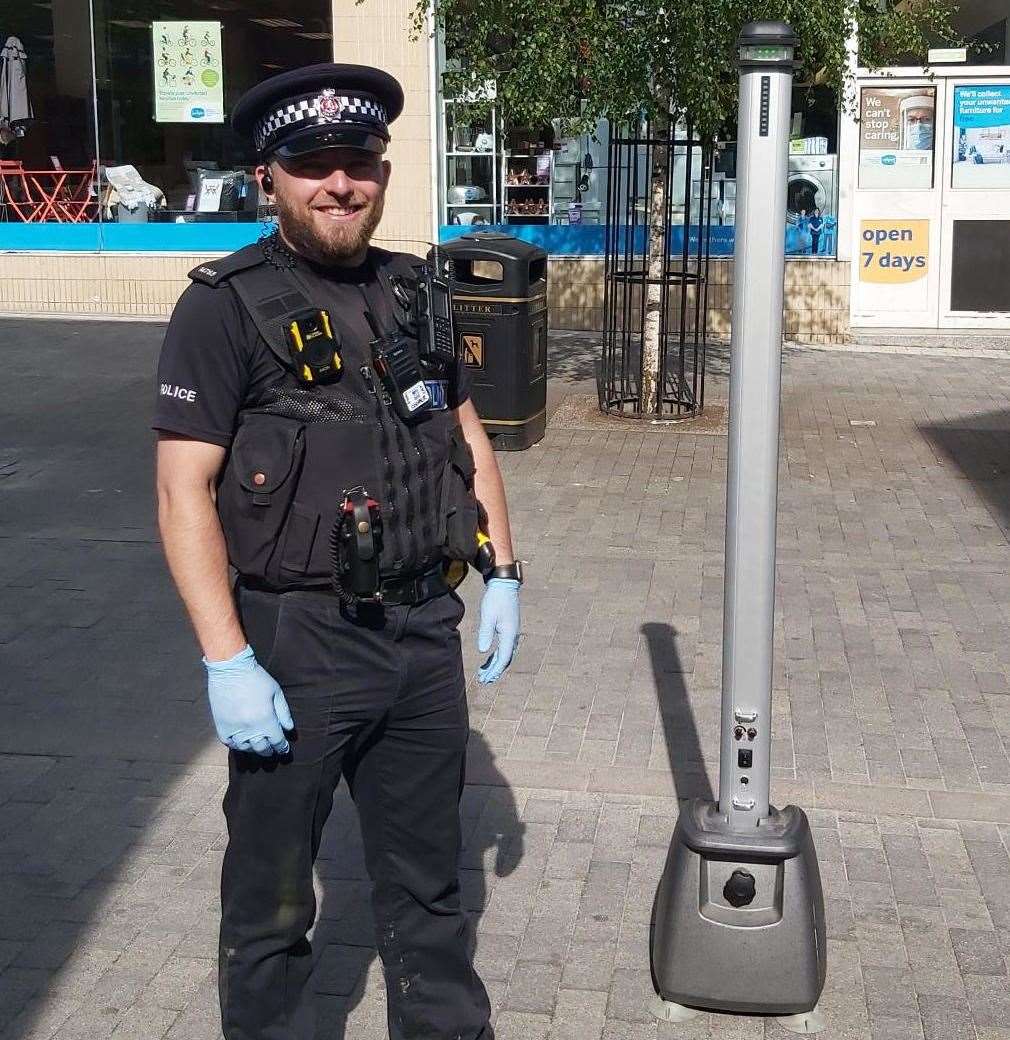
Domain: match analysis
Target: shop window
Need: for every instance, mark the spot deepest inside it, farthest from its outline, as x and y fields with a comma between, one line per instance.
x=528, y=182
x=47, y=133
x=542, y=186
x=812, y=184
x=168, y=74
x=472, y=157
x=531, y=182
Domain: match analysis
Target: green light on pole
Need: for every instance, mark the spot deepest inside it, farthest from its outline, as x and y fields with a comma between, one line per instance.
x=766, y=45
x=763, y=54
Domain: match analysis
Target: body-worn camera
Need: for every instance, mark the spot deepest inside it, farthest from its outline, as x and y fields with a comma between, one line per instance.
x=314, y=349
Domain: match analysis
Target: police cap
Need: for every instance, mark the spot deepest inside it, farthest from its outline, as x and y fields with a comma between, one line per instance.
x=320, y=106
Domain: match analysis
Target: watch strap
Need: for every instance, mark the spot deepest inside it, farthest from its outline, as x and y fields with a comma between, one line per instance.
x=514, y=571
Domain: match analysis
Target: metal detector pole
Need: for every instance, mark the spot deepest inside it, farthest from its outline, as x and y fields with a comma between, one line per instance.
x=766, y=78
x=738, y=923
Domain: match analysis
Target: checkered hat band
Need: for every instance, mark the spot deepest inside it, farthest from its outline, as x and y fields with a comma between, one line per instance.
x=320, y=109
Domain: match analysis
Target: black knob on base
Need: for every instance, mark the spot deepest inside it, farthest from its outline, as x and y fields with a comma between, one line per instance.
x=740, y=889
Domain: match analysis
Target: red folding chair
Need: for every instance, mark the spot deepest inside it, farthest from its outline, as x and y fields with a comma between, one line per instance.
x=74, y=203
x=16, y=193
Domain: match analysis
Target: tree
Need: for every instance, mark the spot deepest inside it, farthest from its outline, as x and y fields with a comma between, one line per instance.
x=584, y=60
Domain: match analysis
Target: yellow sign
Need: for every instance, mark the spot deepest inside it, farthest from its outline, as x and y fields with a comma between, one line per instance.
x=473, y=350
x=893, y=251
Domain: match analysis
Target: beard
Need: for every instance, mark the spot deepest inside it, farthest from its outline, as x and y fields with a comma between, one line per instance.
x=323, y=241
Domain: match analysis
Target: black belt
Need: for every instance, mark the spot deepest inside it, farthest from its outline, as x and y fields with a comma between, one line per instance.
x=415, y=589
x=395, y=592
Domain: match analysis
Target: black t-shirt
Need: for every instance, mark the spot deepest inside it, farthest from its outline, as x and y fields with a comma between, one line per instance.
x=214, y=363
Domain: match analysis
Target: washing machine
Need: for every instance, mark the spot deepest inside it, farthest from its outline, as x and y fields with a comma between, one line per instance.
x=813, y=181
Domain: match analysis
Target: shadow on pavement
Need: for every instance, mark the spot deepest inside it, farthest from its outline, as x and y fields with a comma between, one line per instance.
x=683, y=745
x=111, y=831
x=101, y=694
x=572, y=357
x=980, y=447
x=344, y=940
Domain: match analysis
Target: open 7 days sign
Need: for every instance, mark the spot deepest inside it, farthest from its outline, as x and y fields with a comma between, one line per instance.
x=893, y=251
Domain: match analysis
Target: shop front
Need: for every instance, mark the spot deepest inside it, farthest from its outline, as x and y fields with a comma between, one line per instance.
x=119, y=169
x=120, y=138
x=931, y=212
x=928, y=162
x=551, y=189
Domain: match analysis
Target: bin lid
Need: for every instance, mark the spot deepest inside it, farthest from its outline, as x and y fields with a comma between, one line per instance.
x=487, y=236
x=493, y=244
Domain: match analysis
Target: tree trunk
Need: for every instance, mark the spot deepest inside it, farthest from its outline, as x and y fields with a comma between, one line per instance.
x=652, y=380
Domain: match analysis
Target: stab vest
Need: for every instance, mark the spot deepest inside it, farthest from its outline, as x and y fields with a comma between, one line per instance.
x=297, y=450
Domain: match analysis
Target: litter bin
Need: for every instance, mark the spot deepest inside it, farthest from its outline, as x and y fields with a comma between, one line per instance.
x=499, y=311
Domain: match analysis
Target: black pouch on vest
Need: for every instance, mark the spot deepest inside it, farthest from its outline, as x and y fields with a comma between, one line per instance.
x=257, y=489
x=460, y=507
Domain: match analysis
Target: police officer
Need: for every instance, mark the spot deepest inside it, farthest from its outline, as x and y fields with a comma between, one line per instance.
x=310, y=436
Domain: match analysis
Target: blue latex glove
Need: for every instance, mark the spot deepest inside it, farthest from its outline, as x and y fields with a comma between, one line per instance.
x=499, y=615
x=248, y=706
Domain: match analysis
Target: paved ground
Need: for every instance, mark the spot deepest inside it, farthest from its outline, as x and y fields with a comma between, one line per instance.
x=891, y=723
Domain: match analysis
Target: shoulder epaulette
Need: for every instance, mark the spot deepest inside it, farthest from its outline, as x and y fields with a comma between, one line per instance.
x=214, y=272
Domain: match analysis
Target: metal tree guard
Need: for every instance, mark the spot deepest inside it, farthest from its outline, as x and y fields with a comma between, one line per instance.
x=683, y=282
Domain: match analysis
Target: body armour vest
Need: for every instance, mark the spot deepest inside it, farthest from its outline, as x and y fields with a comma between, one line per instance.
x=299, y=449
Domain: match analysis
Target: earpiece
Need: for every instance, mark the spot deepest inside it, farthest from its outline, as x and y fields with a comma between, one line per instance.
x=268, y=183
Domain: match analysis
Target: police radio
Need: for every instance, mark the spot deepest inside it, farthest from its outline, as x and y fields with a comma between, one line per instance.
x=426, y=305
x=395, y=359
x=314, y=349
x=433, y=311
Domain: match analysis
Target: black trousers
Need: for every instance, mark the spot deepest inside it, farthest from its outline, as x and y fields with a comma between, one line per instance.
x=380, y=700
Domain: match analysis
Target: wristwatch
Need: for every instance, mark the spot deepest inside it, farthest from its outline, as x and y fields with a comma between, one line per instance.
x=506, y=570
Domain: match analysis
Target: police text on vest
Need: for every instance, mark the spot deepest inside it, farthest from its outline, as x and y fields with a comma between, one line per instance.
x=171, y=390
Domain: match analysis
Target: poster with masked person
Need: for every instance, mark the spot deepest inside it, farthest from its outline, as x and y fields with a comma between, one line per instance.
x=896, y=135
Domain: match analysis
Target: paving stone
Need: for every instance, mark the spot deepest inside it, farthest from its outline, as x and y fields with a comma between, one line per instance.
x=91, y=1021
x=590, y=964
x=175, y=984
x=519, y=1025
x=889, y=993
x=569, y=860
x=618, y=1029
x=578, y=1015
x=887, y=1028
x=988, y=1000
x=889, y=728
x=495, y=956
x=144, y=1023
x=533, y=988
x=978, y=952
x=630, y=993
x=945, y=1018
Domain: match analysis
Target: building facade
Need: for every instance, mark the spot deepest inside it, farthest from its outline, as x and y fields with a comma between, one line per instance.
x=120, y=170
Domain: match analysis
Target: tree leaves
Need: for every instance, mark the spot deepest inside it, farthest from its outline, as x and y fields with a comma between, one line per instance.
x=581, y=60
